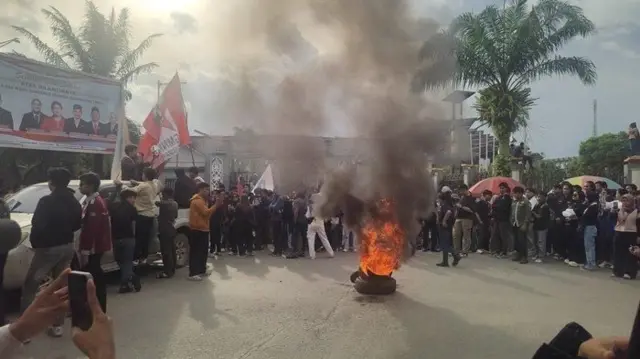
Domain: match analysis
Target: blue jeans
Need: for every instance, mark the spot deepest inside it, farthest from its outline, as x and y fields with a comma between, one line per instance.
x=123, y=250
x=590, y=233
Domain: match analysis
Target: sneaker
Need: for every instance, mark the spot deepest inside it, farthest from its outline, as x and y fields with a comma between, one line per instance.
x=587, y=268
x=218, y=253
x=442, y=264
x=345, y=250
x=626, y=276
x=524, y=261
x=231, y=253
x=310, y=257
x=480, y=251
x=538, y=260
x=55, y=331
x=573, y=264
x=212, y=255
x=125, y=288
x=566, y=261
x=195, y=278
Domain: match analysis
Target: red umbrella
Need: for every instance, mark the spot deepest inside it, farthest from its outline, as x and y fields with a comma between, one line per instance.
x=493, y=184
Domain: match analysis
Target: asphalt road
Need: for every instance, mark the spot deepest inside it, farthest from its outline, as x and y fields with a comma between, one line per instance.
x=267, y=307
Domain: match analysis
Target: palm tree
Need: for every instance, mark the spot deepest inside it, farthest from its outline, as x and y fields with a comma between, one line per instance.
x=502, y=51
x=101, y=46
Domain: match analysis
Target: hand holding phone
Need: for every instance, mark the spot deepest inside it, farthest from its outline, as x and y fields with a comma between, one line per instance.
x=97, y=340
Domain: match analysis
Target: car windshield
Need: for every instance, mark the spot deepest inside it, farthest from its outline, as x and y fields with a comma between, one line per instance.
x=25, y=200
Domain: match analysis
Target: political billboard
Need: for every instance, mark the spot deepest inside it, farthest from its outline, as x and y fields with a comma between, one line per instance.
x=47, y=108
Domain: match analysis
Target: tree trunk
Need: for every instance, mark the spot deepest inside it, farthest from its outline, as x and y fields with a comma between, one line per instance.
x=501, y=163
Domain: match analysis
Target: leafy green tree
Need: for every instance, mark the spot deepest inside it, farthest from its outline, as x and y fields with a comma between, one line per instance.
x=502, y=51
x=604, y=155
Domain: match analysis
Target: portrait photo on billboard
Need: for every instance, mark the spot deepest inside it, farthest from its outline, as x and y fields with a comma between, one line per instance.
x=43, y=107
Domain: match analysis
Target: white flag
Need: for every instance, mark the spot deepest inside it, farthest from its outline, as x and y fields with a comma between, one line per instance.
x=265, y=181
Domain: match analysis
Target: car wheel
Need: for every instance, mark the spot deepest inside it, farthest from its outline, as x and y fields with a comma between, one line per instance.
x=182, y=250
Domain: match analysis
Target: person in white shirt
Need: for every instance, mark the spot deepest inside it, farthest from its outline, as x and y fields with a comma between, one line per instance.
x=52, y=302
x=316, y=227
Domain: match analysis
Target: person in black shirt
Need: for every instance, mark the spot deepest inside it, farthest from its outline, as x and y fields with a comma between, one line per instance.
x=167, y=233
x=484, y=230
x=589, y=221
x=502, y=239
x=463, y=224
x=123, y=216
x=184, y=188
x=446, y=220
x=541, y=218
x=574, y=231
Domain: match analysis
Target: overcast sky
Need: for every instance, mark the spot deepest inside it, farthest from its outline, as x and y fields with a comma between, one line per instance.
x=194, y=41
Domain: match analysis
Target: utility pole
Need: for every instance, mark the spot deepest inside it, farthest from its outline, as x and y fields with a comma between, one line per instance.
x=595, y=118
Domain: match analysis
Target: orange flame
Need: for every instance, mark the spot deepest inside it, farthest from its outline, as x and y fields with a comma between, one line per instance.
x=382, y=242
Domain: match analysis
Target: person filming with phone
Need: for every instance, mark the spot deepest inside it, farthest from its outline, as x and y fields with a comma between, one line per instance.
x=96, y=341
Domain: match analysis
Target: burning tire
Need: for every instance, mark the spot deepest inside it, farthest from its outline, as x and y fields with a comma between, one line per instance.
x=373, y=284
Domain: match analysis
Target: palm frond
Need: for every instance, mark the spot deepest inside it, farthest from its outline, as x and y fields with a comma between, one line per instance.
x=122, y=30
x=66, y=38
x=504, y=111
x=50, y=55
x=138, y=70
x=436, y=74
x=129, y=60
x=583, y=68
x=98, y=37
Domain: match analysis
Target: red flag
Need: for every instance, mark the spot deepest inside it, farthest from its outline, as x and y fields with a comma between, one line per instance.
x=166, y=126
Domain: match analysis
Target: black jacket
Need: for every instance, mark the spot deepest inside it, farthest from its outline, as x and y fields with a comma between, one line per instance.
x=167, y=218
x=57, y=216
x=123, y=215
x=565, y=344
x=183, y=190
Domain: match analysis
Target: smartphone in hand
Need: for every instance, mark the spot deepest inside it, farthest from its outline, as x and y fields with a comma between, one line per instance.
x=81, y=316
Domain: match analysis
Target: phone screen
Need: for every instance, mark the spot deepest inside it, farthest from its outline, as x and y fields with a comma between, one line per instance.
x=80, y=312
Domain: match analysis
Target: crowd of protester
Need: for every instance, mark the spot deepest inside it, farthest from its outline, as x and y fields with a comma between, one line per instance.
x=591, y=227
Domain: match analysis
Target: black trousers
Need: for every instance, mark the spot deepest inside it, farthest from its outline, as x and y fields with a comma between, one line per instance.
x=299, y=237
x=242, y=238
x=623, y=261
x=198, y=243
x=262, y=233
x=215, y=239
x=93, y=266
x=484, y=235
x=168, y=251
x=3, y=261
x=520, y=243
x=277, y=232
x=144, y=227
x=558, y=234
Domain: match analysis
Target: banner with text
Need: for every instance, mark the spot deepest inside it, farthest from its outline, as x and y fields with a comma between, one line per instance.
x=46, y=108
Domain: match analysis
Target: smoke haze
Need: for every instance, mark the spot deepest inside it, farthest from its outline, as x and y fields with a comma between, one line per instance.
x=300, y=63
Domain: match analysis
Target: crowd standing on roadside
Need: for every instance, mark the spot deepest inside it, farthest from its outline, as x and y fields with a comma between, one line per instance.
x=590, y=228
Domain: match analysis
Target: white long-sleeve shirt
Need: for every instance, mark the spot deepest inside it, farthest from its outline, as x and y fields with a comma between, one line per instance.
x=9, y=346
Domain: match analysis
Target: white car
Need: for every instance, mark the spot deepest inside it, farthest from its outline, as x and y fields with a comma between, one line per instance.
x=23, y=204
